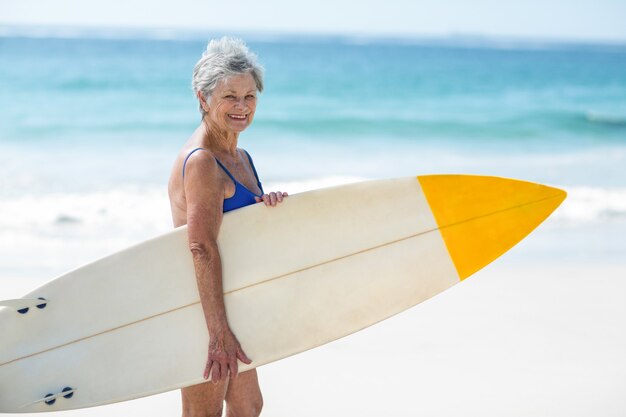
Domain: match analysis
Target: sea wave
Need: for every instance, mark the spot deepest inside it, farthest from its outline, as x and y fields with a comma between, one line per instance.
x=588, y=204
x=509, y=126
x=56, y=231
x=61, y=230
x=131, y=212
x=551, y=129
x=572, y=121
x=611, y=120
x=126, y=212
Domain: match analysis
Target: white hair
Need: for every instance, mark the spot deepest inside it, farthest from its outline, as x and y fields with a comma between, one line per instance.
x=224, y=58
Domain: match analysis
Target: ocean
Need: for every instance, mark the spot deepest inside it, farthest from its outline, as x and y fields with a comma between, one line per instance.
x=89, y=128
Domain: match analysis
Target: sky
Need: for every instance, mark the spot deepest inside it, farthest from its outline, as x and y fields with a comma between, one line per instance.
x=591, y=20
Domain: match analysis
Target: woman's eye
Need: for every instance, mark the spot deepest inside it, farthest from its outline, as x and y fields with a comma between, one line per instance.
x=250, y=97
x=230, y=97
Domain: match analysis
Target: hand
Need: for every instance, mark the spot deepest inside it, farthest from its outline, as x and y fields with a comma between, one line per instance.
x=224, y=350
x=272, y=198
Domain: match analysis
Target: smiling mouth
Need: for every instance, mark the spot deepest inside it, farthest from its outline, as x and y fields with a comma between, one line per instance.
x=238, y=116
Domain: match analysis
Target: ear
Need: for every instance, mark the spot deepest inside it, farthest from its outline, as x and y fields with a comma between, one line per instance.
x=203, y=103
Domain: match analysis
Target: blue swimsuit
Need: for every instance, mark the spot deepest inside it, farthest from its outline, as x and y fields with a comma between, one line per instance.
x=242, y=197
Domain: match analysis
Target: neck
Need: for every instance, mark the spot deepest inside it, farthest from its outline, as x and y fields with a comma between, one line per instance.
x=219, y=141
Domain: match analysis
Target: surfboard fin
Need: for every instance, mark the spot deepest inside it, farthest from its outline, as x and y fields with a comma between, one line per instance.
x=50, y=399
x=22, y=305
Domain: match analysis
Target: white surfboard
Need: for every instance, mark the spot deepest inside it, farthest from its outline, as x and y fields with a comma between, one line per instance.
x=322, y=265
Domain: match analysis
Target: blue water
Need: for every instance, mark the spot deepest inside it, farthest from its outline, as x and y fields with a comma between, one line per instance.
x=91, y=117
x=136, y=93
x=59, y=88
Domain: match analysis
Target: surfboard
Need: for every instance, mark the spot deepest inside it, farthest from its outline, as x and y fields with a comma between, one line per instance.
x=320, y=266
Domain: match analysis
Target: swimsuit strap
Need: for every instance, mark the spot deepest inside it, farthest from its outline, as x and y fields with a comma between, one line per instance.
x=185, y=163
x=217, y=160
x=226, y=171
x=258, y=181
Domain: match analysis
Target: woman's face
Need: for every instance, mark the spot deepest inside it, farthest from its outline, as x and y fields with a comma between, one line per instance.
x=233, y=103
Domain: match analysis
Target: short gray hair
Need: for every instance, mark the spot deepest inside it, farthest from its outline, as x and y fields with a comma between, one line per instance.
x=224, y=58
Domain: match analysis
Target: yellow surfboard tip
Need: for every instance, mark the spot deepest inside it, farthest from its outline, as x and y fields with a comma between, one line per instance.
x=481, y=217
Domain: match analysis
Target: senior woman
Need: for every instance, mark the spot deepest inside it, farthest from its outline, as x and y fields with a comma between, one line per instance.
x=211, y=176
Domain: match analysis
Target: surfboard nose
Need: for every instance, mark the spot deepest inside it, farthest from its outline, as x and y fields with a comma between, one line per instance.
x=481, y=217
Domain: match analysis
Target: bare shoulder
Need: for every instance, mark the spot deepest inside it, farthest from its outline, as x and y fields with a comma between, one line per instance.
x=190, y=147
x=198, y=162
x=194, y=180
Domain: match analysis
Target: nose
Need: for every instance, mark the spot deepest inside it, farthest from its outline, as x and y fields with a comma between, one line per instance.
x=241, y=103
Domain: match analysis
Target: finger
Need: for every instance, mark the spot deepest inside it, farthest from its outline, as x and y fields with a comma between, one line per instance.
x=233, y=368
x=279, y=196
x=285, y=195
x=223, y=371
x=273, y=199
x=215, y=372
x=257, y=199
x=242, y=357
x=266, y=199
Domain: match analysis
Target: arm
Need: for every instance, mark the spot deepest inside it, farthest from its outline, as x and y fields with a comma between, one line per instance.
x=204, y=195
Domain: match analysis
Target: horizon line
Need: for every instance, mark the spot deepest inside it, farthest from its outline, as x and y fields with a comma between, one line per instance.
x=118, y=32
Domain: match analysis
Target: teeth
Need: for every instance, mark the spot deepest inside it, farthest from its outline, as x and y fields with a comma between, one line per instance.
x=234, y=116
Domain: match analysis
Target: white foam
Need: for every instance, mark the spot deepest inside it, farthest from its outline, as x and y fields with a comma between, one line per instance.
x=591, y=204
x=136, y=211
x=126, y=210
x=65, y=230
x=60, y=231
